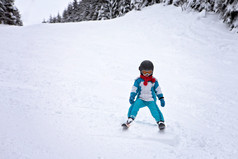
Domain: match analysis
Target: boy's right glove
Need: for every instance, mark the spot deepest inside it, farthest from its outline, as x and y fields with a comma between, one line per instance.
x=131, y=100
x=132, y=97
x=162, y=102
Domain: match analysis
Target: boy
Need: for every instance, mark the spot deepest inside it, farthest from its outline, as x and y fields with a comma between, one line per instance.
x=146, y=88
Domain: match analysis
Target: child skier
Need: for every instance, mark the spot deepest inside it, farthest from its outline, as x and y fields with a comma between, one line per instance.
x=146, y=88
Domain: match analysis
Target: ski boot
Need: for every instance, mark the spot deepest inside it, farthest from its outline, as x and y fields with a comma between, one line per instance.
x=127, y=124
x=161, y=125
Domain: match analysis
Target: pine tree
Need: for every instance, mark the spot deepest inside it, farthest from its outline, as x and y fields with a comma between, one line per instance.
x=44, y=21
x=64, y=16
x=9, y=14
x=228, y=10
x=112, y=8
x=50, y=19
x=59, y=18
x=2, y=12
x=70, y=13
x=75, y=9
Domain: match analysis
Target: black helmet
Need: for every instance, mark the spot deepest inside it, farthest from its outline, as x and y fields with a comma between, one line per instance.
x=146, y=65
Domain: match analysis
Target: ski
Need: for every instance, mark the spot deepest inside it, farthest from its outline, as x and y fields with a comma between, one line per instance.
x=125, y=125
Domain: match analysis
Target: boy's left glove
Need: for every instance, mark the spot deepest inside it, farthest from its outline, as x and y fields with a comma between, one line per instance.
x=161, y=98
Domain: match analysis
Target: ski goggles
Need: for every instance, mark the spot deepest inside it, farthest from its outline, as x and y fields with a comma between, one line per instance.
x=146, y=72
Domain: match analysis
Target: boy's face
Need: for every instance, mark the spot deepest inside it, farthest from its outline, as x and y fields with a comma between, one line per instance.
x=147, y=73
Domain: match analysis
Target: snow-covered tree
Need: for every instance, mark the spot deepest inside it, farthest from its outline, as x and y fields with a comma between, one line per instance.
x=58, y=18
x=228, y=10
x=124, y=6
x=2, y=12
x=70, y=12
x=9, y=14
x=51, y=19
x=64, y=15
x=200, y=5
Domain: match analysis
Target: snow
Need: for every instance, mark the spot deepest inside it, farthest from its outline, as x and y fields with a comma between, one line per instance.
x=65, y=88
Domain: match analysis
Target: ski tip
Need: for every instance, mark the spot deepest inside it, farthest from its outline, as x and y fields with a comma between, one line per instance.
x=162, y=127
x=125, y=126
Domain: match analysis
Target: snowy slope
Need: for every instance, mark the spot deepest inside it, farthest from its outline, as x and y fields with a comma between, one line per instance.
x=65, y=88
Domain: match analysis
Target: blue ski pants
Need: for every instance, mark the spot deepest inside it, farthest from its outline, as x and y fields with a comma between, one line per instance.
x=154, y=109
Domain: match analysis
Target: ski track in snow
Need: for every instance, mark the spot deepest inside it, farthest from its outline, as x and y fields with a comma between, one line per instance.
x=65, y=88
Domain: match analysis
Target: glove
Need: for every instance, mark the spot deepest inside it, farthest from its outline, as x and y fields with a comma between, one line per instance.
x=132, y=97
x=162, y=102
x=131, y=100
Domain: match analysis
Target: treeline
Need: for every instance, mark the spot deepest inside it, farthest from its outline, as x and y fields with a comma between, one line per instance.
x=9, y=14
x=87, y=10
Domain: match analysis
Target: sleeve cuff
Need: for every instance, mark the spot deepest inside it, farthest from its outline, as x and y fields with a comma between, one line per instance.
x=160, y=96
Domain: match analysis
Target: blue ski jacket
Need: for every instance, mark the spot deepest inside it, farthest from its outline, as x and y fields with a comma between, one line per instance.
x=146, y=93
